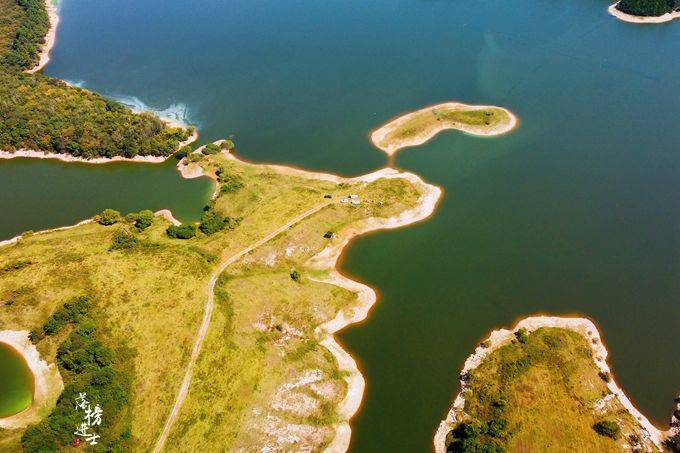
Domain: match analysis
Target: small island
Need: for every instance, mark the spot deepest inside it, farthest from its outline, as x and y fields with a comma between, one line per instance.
x=416, y=128
x=543, y=384
x=646, y=11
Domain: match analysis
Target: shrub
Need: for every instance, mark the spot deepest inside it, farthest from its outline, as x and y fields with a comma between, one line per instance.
x=227, y=144
x=673, y=443
x=228, y=183
x=522, y=335
x=142, y=219
x=295, y=275
x=72, y=311
x=184, y=152
x=604, y=376
x=108, y=217
x=607, y=428
x=15, y=266
x=183, y=231
x=123, y=240
x=210, y=149
x=211, y=223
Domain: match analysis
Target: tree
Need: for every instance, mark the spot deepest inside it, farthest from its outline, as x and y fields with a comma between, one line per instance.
x=123, y=240
x=607, y=428
x=211, y=149
x=646, y=7
x=108, y=217
x=183, y=231
x=142, y=219
x=227, y=144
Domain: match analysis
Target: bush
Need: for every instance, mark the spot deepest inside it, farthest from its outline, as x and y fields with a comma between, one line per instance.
x=211, y=223
x=472, y=437
x=15, y=266
x=522, y=335
x=123, y=240
x=607, y=428
x=210, y=149
x=71, y=312
x=227, y=144
x=184, y=152
x=184, y=231
x=673, y=443
x=142, y=219
x=108, y=217
x=295, y=275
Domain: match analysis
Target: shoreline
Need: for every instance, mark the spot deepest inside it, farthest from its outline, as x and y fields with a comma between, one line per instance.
x=327, y=259
x=500, y=337
x=428, y=134
x=50, y=38
x=668, y=17
x=32, y=154
x=48, y=384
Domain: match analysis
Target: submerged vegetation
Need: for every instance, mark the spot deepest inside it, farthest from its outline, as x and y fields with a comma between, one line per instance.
x=45, y=114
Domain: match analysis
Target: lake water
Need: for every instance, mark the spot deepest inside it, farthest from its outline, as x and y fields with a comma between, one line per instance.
x=16, y=382
x=576, y=212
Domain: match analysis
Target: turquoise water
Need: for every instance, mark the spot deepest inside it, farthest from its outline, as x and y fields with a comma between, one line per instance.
x=16, y=382
x=576, y=212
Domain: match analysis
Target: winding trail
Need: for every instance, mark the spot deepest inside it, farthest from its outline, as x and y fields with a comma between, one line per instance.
x=207, y=315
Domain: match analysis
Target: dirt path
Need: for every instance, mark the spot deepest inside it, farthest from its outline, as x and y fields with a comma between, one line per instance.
x=207, y=315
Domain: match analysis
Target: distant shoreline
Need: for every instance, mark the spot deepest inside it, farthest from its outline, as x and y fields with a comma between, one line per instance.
x=380, y=135
x=642, y=19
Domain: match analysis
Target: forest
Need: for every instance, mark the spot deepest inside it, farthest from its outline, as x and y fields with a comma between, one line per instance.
x=45, y=114
x=648, y=7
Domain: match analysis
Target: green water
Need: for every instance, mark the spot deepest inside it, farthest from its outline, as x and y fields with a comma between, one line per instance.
x=16, y=382
x=576, y=212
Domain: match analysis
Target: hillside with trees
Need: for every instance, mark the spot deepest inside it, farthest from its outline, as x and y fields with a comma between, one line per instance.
x=45, y=114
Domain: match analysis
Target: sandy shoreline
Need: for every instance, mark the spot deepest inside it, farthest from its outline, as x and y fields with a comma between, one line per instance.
x=378, y=135
x=642, y=19
x=50, y=38
x=47, y=381
x=501, y=337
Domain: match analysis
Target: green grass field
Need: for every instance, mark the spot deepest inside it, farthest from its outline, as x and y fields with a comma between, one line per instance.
x=261, y=375
x=539, y=395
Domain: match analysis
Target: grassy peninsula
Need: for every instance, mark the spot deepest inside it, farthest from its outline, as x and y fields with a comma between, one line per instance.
x=544, y=386
x=268, y=372
x=416, y=128
x=43, y=114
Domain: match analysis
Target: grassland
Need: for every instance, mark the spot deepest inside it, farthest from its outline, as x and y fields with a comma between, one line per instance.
x=418, y=127
x=262, y=378
x=543, y=389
